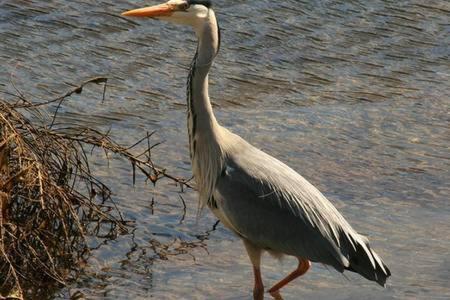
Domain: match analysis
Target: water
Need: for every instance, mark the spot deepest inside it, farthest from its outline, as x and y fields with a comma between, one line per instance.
x=352, y=94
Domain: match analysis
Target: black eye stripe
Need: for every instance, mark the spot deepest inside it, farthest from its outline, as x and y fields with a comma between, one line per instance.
x=206, y=3
x=184, y=6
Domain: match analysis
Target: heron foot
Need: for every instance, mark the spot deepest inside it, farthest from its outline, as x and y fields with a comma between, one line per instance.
x=276, y=295
x=258, y=293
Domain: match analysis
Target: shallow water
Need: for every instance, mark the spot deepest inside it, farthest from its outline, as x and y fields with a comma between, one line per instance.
x=354, y=95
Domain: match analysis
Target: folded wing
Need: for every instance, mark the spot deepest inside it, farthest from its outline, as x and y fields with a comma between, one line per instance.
x=275, y=208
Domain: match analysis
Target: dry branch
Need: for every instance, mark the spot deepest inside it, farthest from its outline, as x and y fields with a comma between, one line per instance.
x=49, y=199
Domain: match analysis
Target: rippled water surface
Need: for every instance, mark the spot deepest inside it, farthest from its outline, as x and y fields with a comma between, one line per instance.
x=354, y=95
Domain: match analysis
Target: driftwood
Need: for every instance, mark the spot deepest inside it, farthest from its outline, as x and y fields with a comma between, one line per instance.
x=49, y=199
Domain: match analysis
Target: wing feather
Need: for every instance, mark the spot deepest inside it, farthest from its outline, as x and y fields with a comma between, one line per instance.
x=257, y=192
x=277, y=209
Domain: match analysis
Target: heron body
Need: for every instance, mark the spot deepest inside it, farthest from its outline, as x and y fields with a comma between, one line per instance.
x=266, y=203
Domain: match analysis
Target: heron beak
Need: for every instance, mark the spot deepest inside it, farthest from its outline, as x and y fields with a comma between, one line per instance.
x=151, y=11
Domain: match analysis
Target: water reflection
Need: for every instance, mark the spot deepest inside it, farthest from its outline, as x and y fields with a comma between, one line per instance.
x=352, y=94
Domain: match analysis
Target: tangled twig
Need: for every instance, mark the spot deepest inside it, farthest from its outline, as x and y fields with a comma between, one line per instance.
x=49, y=199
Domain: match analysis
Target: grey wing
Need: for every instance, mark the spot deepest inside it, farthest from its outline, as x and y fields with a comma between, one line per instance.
x=260, y=212
x=275, y=208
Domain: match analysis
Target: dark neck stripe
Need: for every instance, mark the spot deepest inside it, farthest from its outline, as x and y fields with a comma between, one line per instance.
x=189, y=83
x=190, y=106
x=206, y=3
x=192, y=116
x=219, y=37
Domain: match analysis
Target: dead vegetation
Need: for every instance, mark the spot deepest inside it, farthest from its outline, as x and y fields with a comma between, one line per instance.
x=49, y=200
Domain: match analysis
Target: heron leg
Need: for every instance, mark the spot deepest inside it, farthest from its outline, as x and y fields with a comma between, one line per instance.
x=254, y=254
x=303, y=267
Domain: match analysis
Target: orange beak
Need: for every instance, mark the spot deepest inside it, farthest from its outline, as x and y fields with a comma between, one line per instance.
x=151, y=11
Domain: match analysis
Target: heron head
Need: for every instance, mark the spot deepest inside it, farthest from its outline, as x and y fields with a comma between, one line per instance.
x=185, y=12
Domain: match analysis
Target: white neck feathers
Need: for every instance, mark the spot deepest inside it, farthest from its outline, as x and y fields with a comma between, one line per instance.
x=204, y=131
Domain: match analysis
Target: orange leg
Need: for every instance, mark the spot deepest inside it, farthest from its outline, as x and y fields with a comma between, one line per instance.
x=258, y=290
x=254, y=254
x=303, y=267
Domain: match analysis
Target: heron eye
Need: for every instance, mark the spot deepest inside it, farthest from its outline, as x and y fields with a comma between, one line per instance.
x=184, y=6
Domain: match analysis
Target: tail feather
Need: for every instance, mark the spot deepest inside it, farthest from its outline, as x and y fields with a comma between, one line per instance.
x=366, y=262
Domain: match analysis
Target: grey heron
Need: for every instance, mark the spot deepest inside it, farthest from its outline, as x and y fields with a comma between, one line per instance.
x=266, y=203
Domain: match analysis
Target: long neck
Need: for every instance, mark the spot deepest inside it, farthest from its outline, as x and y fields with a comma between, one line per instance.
x=201, y=119
x=204, y=131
